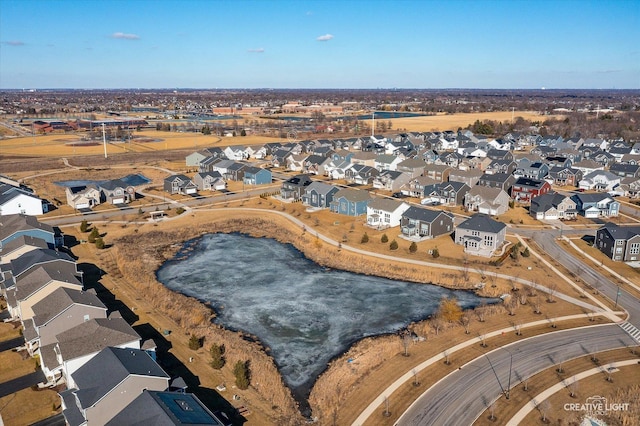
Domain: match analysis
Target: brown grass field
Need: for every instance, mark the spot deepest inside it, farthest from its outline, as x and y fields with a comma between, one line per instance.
x=454, y=121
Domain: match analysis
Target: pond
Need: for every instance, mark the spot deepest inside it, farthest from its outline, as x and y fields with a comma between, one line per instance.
x=305, y=313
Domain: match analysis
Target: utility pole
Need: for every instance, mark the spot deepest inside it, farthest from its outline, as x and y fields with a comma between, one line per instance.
x=104, y=141
x=617, y=294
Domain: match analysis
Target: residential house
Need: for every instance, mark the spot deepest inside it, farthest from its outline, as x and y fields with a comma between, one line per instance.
x=385, y=213
x=83, y=196
x=425, y=223
x=294, y=187
x=365, y=158
x=350, y=202
x=469, y=177
x=316, y=165
x=629, y=186
x=553, y=206
x=360, y=174
x=480, y=235
x=524, y=189
x=500, y=154
x=503, y=181
x=109, y=382
x=600, y=180
x=180, y=184
x=209, y=164
x=587, y=166
x=391, y=180
x=319, y=195
x=17, y=225
x=487, y=200
x=62, y=309
x=501, y=166
x=116, y=191
x=279, y=157
x=564, y=176
x=295, y=163
x=625, y=170
x=38, y=284
x=19, y=246
x=75, y=346
x=416, y=186
x=235, y=153
x=438, y=172
x=257, y=176
x=209, y=181
x=31, y=261
x=620, y=243
x=445, y=193
x=535, y=170
x=235, y=172
x=413, y=166
x=15, y=200
x=167, y=408
x=596, y=205
x=387, y=162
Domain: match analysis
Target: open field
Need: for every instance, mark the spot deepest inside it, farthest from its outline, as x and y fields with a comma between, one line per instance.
x=443, y=122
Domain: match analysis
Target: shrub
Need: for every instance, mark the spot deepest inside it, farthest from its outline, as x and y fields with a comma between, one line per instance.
x=241, y=372
x=195, y=342
x=365, y=239
x=93, y=235
x=435, y=253
x=384, y=238
x=100, y=243
x=84, y=226
x=393, y=245
x=180, y=210
x=217, y=356
x=526, y=252
x=413, y=247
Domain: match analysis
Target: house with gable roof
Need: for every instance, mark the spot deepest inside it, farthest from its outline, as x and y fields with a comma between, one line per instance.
x=599, y=180
x=425, y=223
x=487, y=200
x=553, y=206
x=620, y=243
x=596, y=205
x=116, y=191
x=480, y=235
x=180, y=184
x=319, y=195
x=257, y=176
x=17, y=225
x=350, y=202
x=209, y=181
x=564, y=176
x=294, y=187
x=16, y=200
x=19, y=246
x=108, y=383
x=83, y=196
x=524, y=189
x=385, y=213
x=391, y=180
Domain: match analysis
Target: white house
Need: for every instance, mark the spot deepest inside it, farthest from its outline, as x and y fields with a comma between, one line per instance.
x=385, y=212
x=599, y=180
x=18, y=201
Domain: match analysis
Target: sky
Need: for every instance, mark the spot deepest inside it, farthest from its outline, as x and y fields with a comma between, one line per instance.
x=496, y=44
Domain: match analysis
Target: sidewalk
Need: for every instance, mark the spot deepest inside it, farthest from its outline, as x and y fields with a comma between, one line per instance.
x=537, y=400
x=409, y=375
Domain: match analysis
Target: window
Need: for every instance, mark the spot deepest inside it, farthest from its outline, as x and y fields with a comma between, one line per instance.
x=634, y=248
x=86, y=318
x=475, y=233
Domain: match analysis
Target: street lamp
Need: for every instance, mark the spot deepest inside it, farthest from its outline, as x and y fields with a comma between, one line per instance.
x=617, y=294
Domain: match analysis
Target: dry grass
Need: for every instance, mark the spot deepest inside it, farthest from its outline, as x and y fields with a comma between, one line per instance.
x=28, y=406
x=454, y=121
x=597, y=384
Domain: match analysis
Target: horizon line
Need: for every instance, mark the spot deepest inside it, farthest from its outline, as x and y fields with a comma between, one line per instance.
x=542, y=89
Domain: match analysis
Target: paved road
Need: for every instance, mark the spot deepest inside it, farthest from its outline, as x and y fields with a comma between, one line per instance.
x=478, y=383
x=15, y=385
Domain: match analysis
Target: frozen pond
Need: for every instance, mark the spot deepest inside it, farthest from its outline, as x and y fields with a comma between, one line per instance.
x=306, y=314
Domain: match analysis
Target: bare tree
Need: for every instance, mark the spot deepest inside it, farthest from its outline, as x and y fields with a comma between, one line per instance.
x=544, y=407
x=512, y=305
x=522, y=298
x=437, y=323
x=483, y=340
x=482, y=270
x=553, y=288
x=492, y=410
x=609, y=370
x=465, y=320
x=386, y=412
x=525, y=384
x=537, y=303
x=481, y=312
x=446, y=355
x=560, y=368
x=406, y=342
x=518, y=328
x=573, y=388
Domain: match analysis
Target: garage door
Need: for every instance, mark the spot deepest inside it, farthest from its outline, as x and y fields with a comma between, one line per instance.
x=82, y=206
x=118, y=201
x=192, y=190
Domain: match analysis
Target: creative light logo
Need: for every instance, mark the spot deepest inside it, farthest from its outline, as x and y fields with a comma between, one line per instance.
x=596, y=406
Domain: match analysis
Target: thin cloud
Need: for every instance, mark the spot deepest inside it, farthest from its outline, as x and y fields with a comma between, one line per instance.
x=325, y=37
x=608, y=71
x=14, y=43
x=258, y=50
x=125, y=36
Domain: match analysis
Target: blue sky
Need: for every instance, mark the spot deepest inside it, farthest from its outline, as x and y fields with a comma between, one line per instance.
x=320, y=44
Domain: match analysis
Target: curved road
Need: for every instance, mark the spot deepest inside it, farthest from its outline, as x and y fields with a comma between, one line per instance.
x=477, y=384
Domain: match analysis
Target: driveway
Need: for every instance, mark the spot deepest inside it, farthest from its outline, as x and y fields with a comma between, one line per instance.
x=15, y=385
x=12, y=343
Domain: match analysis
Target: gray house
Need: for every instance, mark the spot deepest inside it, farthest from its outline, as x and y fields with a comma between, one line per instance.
x=350, y=202
x=61, y=310
x=209, y=181
x=319, y=195
x=424, y=223
x=15, y=225
x=109, y=382
x=480, y=235
x=180, y=184
x=293, y=188
x=620, y=243
x=553, y=206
